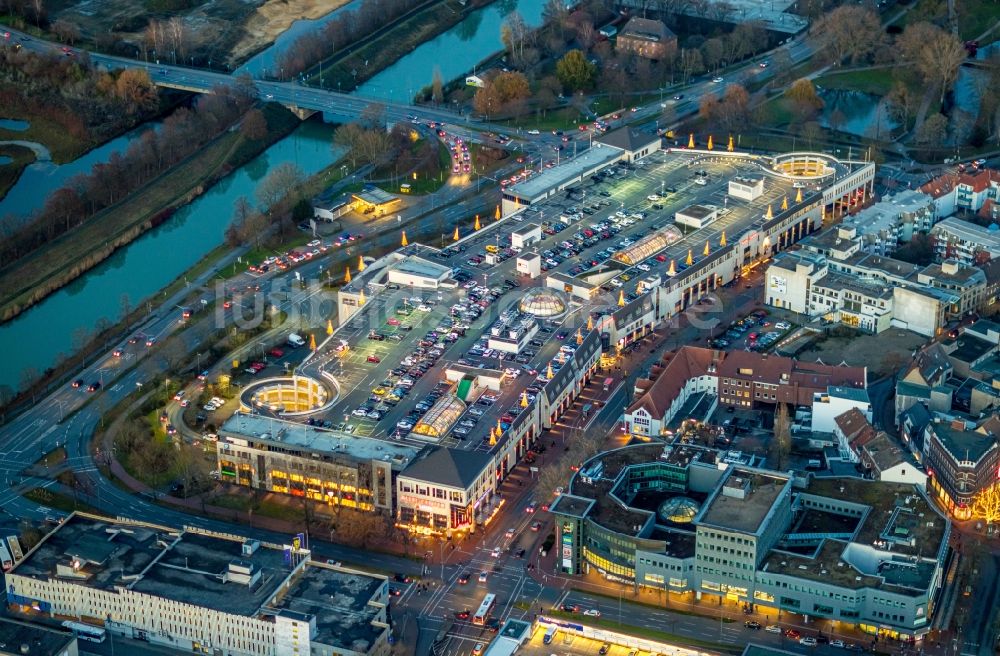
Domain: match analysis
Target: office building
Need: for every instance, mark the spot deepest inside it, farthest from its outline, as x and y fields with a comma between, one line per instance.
x=202, y=592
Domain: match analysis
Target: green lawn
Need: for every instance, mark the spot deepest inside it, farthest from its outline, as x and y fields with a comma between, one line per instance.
x=61, y=144
x=974, y=17
x=565, y=118
x=876, y=81
x=58, y=501
x=774, y=113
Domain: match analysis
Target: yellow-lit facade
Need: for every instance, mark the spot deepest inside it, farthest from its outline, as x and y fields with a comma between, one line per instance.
x=333, y=479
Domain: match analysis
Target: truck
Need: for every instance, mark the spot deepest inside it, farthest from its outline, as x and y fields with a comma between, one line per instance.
x=295, y=341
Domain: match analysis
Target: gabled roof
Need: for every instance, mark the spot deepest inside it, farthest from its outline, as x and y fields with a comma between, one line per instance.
x=677, y=367
x=449, y=467
x=980, y=180
x=941, y=185
x=646, y=27
x=932, y=364
x=852, y=423
x=883, y=452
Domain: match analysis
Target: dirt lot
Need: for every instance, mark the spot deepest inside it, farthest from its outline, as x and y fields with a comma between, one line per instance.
x=880, y=353
x=220, y=30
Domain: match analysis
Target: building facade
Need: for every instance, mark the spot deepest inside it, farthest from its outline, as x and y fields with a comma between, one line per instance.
x=200, y=592
x=866, y=553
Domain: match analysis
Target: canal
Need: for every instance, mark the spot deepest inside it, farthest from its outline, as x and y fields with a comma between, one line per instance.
x=42, y=334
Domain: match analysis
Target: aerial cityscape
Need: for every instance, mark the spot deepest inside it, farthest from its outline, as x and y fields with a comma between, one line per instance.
x=500, y=327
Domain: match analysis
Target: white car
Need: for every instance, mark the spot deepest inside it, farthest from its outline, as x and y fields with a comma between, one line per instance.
x=533, y=132
x=653, y=197
x=717, y=80
x=807, y=641
x=772, y=628
x=592, y=612
x=423, y=307
x=837, y=643
x=616, y=282
x=643, y=267
x=496, y=552
x=782, y=325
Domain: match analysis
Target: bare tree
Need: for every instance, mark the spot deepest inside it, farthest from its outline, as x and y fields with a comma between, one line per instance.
x=437, y=87
x=254, y=125
x=781, y=442
x=276, y=186
x=849, y=31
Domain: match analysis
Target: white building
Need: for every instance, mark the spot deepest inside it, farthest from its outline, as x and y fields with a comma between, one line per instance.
x=829, y=405
x=746, y=188
x=966, y=242
x=526, y=235
x=529, y=264
x=201, y=592
x=697, y=216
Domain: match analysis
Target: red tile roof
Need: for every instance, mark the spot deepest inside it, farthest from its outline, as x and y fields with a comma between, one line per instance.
x=796, y=380
x=941, y=185
x=979, y=181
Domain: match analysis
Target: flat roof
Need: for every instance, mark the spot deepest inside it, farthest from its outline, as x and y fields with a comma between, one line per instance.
x=342, y=603
x=535, y=186
x=188, y=567
x=697, y=211
x=375, y=196
x=418, y=266
x=292, y=434
x=41, y=640
x=526, y=229
x=569, y=504
x=746, y=514
x=193, y=572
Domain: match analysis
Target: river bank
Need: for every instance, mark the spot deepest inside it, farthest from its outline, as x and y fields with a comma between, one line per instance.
x=27, y=282
x=349, y=68
x=13, y=160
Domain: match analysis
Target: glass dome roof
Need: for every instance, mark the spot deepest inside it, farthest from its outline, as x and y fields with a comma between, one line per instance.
x=542, y=303
x=679, y=510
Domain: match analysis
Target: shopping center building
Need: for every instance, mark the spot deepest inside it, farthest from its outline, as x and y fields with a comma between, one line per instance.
x=679, y=518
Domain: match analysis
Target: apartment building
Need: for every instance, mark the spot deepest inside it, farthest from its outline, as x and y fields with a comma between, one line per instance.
x=646, y=38
x=884, y=225
x=202, y=592
x=970, y=244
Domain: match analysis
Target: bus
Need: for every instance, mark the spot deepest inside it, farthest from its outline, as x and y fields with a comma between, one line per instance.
x=86, y=631
x=550, y=633
x=485, y=608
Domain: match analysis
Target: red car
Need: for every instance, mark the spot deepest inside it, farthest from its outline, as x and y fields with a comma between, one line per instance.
x=257, y=366
x=463, y=615
x=374, y=358
x=793, y=634
x=661, y=258
x=276, y=352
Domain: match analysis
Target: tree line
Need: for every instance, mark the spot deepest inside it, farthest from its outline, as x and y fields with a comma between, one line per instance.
x=343, y=31
x=181, y=134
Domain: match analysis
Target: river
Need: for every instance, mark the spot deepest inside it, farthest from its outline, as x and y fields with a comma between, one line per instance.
x=23, y=198
x=151, y=262
x=265, y=60
x=454, y=52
